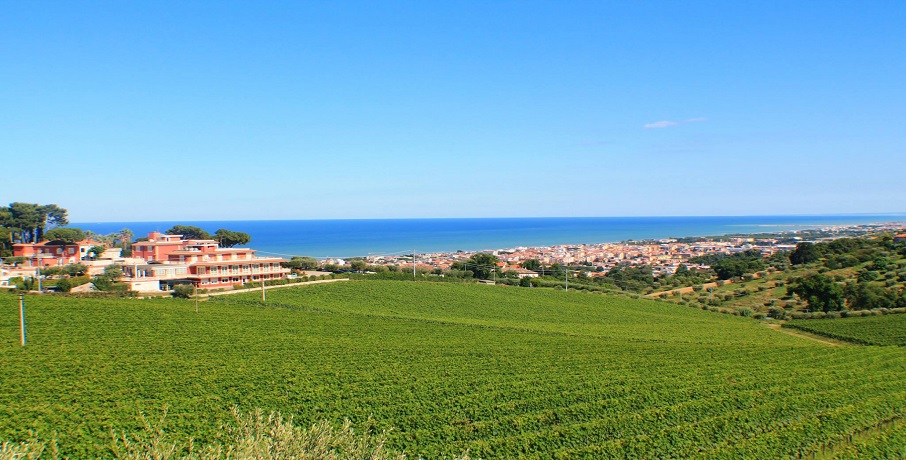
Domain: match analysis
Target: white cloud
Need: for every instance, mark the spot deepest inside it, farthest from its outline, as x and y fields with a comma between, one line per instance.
x=661, y=124
x=670, y=124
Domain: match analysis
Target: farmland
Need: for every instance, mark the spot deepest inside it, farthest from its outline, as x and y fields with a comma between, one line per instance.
x=496, y=371
x=872, y=330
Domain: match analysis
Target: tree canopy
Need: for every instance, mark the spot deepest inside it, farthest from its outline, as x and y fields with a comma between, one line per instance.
x=229, y=238
x=65, y=234
x=481, y=265
x=27, y=222
x=301, y=263
x=189, y=232
x=819, y=291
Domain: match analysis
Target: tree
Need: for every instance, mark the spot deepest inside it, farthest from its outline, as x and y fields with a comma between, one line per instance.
x=867, y=296
x=125, y=237
x=301, y=263
x=113, y=272
x=805, y=253
x=76, y=269
x=96, y=251
x=64, y=285
x=531, y=264
x=228, y=238
x=189, y=232
x=65, y=235
x=819, y=291
x=28, y=221
x=105, y=282
x=358, y=264
x=481, y=265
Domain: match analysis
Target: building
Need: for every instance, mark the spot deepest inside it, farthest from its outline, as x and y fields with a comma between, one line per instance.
x=54, y=253
x=166, y=260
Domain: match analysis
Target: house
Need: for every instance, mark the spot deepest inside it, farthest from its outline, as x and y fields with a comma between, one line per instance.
x=54, y=253
x=899, y=237
x=165, y=260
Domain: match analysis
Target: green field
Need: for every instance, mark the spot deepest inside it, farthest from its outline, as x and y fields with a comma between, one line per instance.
x=500, y=372
x=872, y=330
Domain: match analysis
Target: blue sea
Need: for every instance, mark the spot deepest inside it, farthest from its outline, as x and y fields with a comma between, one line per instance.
x=362, y=237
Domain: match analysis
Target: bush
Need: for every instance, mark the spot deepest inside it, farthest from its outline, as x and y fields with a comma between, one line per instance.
x=744, y=311
x=183, y=291
x=260, y=436
x=64, y=285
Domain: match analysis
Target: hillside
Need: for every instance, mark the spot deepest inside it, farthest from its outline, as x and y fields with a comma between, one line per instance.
x=496, y=371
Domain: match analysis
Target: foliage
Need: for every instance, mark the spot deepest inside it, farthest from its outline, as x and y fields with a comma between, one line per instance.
x=189, y=232
x=65, y=234
x=108, y=280
x=631, y=278
x=500, y=372
x=301, y=263
x=228, y=238
x=872, y=330
x=26, y=222
x=531, y=264
x=481, y=265
x=96, y=251
x=257, y=436
x=805, y=253
x=64, y=285
x=183, y=291
x=821, y=292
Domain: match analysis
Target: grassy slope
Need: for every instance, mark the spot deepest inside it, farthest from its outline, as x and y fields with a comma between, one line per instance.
x=499, y=371
x=873, y=330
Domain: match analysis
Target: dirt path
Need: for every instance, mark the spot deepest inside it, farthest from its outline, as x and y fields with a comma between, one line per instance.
x=804, y=335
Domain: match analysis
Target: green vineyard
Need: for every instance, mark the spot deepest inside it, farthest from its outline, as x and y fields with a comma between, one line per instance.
x=498, y=372
x=872, y=330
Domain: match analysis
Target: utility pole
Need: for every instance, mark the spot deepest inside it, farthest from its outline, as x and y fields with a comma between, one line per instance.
x=566, y=280
x=196, y=297
x=22, y=318
x=413, y=264
x=263, y=294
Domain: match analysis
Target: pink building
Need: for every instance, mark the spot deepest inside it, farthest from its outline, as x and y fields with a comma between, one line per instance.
x=54, y=253
x=201, y=262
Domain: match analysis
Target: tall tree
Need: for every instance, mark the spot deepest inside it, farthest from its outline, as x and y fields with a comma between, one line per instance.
x=189, y=232
x=65, y=234
x=819, y=291
x=228, y=238
x=481, y=265
x=28, y=221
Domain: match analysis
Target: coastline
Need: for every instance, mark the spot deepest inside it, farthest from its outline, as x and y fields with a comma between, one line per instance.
x=367, y=237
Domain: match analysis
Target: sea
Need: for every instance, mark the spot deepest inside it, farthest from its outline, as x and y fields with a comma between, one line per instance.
x=345, y=238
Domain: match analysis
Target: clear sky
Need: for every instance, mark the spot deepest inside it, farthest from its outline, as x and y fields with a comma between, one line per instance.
x=193, y=110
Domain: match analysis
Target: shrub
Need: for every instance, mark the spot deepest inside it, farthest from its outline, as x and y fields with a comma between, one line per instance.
x=759, y=315
x=183, y=291
x=64, y=285
x=259, y=436
x=744, y=311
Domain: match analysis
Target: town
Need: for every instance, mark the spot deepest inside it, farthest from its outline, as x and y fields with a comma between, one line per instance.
x=160, y=262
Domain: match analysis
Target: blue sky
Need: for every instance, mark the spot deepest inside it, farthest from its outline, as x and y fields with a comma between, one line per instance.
x=142, y=111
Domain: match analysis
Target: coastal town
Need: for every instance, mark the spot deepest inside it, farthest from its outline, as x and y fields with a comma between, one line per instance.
x=160, y=262
x=663, y=255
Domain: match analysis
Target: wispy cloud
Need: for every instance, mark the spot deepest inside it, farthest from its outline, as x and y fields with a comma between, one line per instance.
x=670, y=124
x=661, y=124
